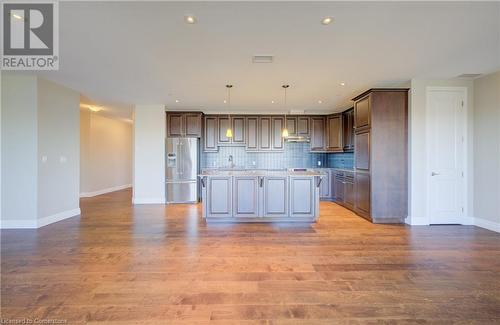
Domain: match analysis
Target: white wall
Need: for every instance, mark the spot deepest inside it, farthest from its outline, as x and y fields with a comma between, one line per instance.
x=39, y=118
x=149, y=154
x=418, y=147
x=106, y=154
x=59, y=141
x=19, y=151
x=487, y=151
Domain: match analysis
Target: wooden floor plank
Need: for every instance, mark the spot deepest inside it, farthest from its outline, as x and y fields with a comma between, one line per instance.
x=156, y=264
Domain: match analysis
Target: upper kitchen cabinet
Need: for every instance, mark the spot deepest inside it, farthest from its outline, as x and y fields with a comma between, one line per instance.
x=278, y=124
x=381, y=139
x=210, y=133
x=237, y=125
x=334, y=133
x=362, y=112
x=252, y=133
x=348, y=130
x=298, y=126
x=318, y=133
x=181, y=124
x=265, y=133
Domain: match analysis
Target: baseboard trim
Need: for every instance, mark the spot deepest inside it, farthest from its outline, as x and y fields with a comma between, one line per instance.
x=58, y=217
x=486, y=224
x=148, y=200
x=105, y=190
x=34, y=224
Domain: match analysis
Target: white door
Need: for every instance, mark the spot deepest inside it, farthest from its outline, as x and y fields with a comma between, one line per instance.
x=446, y=155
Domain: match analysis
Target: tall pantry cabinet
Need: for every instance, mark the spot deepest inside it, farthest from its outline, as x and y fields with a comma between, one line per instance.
x=381, y=155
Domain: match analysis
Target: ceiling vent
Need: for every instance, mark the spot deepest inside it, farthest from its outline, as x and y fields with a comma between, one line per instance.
x=262, y=59
x=469, y=75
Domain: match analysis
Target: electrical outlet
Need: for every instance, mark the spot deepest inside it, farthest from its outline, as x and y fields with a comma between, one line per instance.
x=319, y=163
x=63, y=159
x=253, y=163
x=44, y=159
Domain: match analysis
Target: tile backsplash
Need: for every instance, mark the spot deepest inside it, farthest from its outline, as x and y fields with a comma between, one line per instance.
x=296, y=155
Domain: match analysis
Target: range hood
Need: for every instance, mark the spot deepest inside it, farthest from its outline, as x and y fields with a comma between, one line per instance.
x=297, y=138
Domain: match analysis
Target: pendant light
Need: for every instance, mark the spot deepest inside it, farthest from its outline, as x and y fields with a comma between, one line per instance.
x=284, y=133
x=229, y=131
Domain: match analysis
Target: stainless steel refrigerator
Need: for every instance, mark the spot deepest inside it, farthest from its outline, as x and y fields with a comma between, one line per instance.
x=182, y=170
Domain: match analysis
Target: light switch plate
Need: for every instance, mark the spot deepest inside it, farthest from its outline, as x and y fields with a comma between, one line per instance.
x=63, y=159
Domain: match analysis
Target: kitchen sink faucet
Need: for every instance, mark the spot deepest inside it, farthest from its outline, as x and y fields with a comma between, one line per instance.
x=231, y=163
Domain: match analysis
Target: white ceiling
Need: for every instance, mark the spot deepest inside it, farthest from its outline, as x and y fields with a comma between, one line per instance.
x=143, y=53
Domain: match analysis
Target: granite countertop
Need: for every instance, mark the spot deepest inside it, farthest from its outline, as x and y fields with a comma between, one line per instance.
x=260, y=172
x=350, y=170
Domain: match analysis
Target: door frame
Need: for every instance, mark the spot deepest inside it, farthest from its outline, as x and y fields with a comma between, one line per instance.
x=464, y=219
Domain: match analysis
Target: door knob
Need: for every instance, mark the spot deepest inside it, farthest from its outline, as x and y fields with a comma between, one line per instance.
x=434, y=174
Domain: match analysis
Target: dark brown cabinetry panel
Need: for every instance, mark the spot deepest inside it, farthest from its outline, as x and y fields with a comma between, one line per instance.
x=362, y=153
x=349, y=190
x=318, y=133
x=278, y=124
x=174, y=125
x=291, y=125
x=252, y=129
x=348, y=130
x=334, y=133
x=303, y=126
x=224, y=124
x=238, y=129
x=265, y=133
x=210, y=134
x=183, y=124
x=362, y=203
x=192, y=124
x=339, y=187
x=362, y=113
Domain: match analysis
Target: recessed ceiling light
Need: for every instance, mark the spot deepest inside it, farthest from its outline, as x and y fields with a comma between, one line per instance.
x=177, y=100
x=189, y=19
x=326, y=20
x=320, y=101
x=225, y=101
x=272, y=102
x=342, y=83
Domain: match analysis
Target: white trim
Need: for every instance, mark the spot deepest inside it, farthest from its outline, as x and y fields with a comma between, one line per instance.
x=58, y=217
x=148, y=200
x=487, y=224
x=465, y=155
x=105, y=190
x=34, y=224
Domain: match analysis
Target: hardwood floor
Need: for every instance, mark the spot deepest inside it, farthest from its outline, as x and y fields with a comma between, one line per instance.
x=155, y=264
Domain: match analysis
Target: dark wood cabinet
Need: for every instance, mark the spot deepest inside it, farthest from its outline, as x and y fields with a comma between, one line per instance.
x=339, y=186
x=265, y=128
x=318, y=133
x=252, y=133
x=334, y=133
x=362, y=112
x=362, y=198
x=184, y=124
x=210, y=134
x=278, y=123
x=380, y=154
x=303, y=126
x=349, y=190
x=348, y=130
x=238, y=123
x=291, y=125
x=223, y=124
x=362, y=153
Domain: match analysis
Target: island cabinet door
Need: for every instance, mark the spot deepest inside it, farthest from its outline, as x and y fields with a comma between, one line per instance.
x=302, y=196
x=220, y=198
x=275, y=196
x=246, y=196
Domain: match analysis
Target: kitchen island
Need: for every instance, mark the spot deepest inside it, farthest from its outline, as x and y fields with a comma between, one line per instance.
x=260, y=195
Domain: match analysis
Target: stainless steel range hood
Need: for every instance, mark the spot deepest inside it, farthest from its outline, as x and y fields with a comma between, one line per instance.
x=297, y=138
